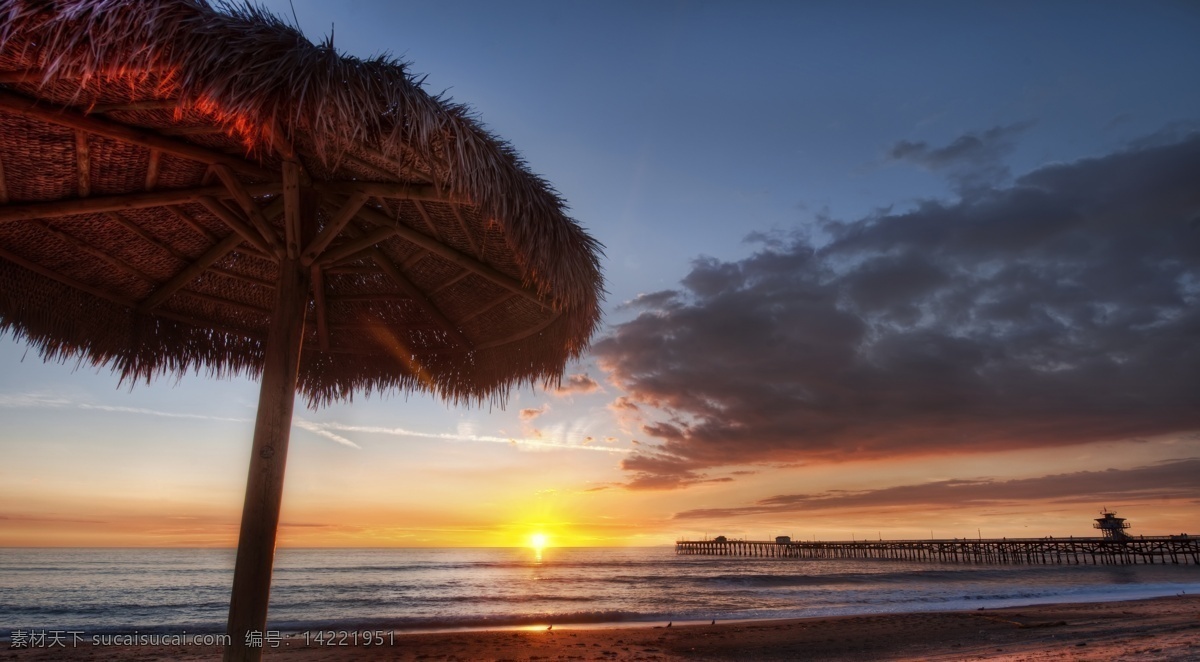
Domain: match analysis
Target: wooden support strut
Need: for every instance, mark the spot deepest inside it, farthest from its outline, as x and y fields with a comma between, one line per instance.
x=322, y=306
x=190, y=272
x=248, y=205
x=437, y=248
x=335, y=226
x=26, y=211
x=227, y=217
x=422, y=301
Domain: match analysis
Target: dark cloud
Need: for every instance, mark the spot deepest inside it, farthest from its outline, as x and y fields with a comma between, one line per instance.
x=578, y=383
x=1173, y=479
x=623, y=404
x=1063, y=309
x=652, y=300
x=971, y=160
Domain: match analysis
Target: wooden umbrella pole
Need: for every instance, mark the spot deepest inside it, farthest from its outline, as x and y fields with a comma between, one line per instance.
x=264, y=486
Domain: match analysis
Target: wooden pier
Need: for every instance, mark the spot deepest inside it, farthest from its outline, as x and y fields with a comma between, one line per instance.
x=1165, y=550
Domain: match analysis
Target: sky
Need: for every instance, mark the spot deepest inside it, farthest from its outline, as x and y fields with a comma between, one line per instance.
x=915, y=271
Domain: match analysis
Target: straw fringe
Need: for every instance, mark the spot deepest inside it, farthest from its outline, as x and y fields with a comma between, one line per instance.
x=259, y=78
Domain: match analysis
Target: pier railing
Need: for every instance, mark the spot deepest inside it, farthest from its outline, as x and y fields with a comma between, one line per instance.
x=1065, y=551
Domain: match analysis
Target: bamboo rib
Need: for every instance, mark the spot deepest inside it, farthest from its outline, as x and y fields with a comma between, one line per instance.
x=226, y=303
x=58, y=208
x=22, y=76
x=242, y=277
x=248, y=205
x=274, y=208
x=152, y=169
x=450, y=281
x=442, y=250
x=134, y=106
x=358, y=243
x=3, y=184
x=65, y=280
x=418, y=297
x=433, y=231
x=25, y=107
x=227, y=217
x=191, y=222
x=369, y=296
x=520, y=335
x=486, y=307
x=146, y=236
x=83, y=164
x=196, y=130
x=85, y=247
x=462, y=224
x=392, y=190
x=335, y=226
x=190, y=272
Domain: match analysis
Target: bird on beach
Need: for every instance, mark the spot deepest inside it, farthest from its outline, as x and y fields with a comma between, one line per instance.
x=669, y=624
x=549, y=628
x=714, y=622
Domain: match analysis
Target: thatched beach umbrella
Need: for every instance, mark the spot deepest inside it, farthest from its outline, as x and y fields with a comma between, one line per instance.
x=184, y=188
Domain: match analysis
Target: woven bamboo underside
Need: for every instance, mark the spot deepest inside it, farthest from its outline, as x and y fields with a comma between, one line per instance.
x=363, y=331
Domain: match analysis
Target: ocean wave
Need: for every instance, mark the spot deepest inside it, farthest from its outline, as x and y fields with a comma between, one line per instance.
x=472, y=621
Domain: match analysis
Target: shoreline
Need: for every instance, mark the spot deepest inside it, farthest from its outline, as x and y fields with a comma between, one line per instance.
x=531, y=624
x=1164, y=628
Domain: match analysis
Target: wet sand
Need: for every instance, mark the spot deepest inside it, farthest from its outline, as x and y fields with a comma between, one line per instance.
x=1157, y=629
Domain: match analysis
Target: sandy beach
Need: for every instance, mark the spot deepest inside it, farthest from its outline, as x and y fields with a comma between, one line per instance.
x=1157, y=629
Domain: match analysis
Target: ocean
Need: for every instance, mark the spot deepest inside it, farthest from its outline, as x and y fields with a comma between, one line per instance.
x=187, y=590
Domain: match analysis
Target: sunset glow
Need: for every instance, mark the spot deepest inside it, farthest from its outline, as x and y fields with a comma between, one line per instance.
x=870, y=274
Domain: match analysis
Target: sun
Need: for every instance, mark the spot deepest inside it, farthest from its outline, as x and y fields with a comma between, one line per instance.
x=538, y=541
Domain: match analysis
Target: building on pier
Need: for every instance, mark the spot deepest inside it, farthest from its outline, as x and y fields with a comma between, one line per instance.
x=1111, y=526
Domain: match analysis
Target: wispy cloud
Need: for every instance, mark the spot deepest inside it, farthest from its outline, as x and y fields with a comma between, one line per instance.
x=327, y=430
x=164, y=414
x=32, y=401
x=316, y=429
x=460, y=436
x=46, y=401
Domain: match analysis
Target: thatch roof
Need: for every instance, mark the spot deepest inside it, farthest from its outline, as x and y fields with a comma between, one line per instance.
x=142, y=208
